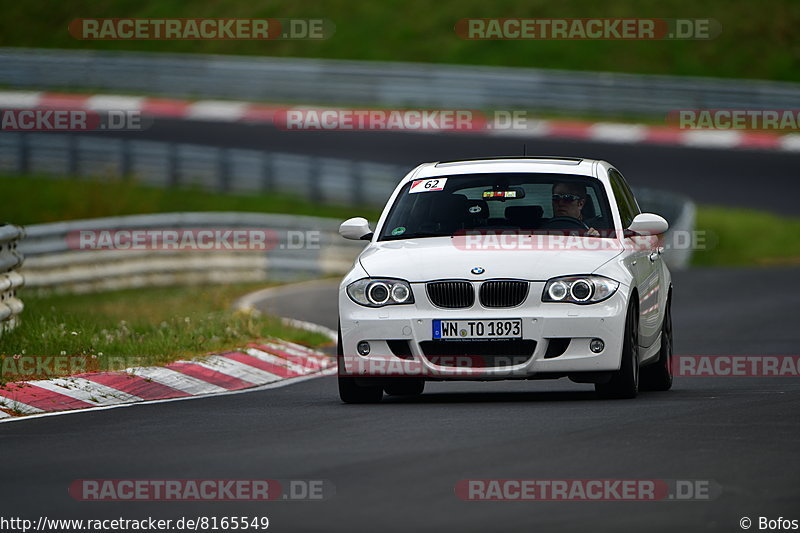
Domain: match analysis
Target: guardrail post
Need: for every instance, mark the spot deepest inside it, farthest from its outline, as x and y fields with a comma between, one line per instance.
x=357, y=173
x=314, y=179
x=125, y=162
x=224, y=169
x=72, y=155
x=10, y=279
x=173, y=178
x=267, y=178
x=23, y=160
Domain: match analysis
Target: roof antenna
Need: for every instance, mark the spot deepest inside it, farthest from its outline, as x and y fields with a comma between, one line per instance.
x=524, y=149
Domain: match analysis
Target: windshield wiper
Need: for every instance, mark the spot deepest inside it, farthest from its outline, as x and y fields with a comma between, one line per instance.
x=414, y=236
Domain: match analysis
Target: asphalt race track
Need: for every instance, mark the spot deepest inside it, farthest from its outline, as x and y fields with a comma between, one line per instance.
x=395, y=465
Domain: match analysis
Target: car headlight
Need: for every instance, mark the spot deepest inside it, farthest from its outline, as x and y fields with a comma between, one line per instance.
x=376, y=292
x=587, y=289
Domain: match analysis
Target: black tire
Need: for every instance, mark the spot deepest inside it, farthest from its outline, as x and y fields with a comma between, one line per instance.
x=658, y=377
x=352, y=392
x=404, y=387
x=624, y=383
x=349, y=390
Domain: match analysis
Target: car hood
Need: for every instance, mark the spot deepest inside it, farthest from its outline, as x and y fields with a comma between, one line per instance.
x=431, y=258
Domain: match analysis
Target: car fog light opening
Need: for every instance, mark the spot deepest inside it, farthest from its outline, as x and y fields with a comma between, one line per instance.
x=363, y=348
x=597, y=345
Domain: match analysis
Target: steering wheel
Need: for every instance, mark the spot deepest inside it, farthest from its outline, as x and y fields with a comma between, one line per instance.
x=560, y=221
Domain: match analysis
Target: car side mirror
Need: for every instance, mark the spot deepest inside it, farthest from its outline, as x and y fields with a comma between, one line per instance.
x=648, y=224
x=355, y=229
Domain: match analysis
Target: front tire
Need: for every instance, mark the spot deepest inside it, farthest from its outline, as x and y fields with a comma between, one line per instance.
x=349, y=390
x=658, y=377
x=352, y=392
x=624, y=383
x=405, y=387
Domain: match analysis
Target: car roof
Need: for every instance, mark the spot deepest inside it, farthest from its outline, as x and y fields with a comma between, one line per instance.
x=523, y=164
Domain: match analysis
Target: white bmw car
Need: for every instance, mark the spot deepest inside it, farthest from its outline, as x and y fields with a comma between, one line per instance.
x=512, y=268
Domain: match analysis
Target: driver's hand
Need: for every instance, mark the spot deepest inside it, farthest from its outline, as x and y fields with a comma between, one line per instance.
x=591, y=232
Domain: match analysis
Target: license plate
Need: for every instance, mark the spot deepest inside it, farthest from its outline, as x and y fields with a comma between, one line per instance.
x=477, y=329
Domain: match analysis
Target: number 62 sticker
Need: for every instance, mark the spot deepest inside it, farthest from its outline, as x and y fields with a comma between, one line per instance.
x=435, y=184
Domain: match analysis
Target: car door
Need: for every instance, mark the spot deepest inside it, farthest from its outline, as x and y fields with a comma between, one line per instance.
x=644, y=263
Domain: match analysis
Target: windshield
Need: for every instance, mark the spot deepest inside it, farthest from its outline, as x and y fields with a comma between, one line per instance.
x=447, y=205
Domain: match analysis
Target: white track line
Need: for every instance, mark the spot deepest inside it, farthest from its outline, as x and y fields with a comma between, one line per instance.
x=288, y=348
x=20, y=99
x=533, y=128
x=618, y=133
x=276, y=360
x=177, y=380
x=85, y=390
x=711, y=139
x=238, y=370
x=217, y=110
x=322, y=360
x=309, y=326
x=791, y=142
x=19, y=406
x=106, y=102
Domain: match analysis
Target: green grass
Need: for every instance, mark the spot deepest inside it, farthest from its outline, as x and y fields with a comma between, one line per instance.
x=747, y=237
x=71, y=199
x=118, y=329
x=758, y=39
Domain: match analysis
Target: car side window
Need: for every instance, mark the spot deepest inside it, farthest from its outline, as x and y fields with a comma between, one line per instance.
x=629, y=194
x=624, y=197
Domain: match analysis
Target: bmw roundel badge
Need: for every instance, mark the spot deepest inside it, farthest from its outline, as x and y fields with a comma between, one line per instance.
x=478, y=270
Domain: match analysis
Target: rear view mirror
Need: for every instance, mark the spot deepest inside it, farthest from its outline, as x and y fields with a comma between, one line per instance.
x=648, y=224
x=355, y=229
x=509, y=193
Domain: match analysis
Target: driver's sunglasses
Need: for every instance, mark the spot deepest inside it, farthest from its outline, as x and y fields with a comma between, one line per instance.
x=569, y=197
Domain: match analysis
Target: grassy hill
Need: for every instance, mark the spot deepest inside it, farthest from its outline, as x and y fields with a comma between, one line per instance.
x=758, y=39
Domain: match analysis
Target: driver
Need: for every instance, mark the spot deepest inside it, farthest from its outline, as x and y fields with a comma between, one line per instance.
x=568, y=201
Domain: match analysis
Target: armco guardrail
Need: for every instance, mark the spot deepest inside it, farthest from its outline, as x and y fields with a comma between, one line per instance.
x=10, y=280
x=298, y=247
x=318, y=179
x=367, y=83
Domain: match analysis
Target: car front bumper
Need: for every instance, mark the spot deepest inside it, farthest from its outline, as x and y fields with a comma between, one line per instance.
x=412, y=324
